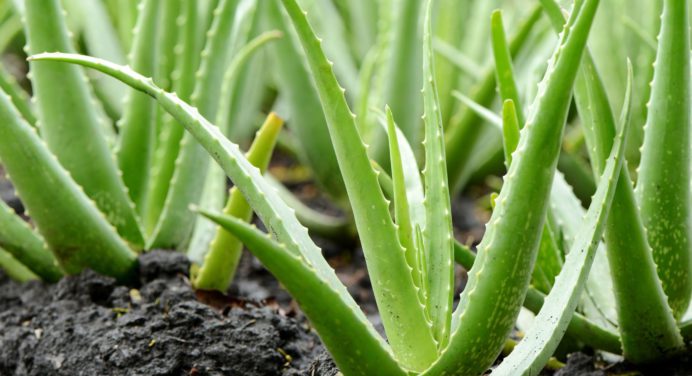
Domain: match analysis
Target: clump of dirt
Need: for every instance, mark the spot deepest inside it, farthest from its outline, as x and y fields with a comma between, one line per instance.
x=89, y=325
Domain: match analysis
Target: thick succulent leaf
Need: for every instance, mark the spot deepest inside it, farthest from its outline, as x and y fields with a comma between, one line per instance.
x=215, y=183
x=137, y=126
x=9, y=85
x=504, y=70
x=317, y=222
x=75, y=136
x=413, y=182
x=221, y=262
x=648, y=330
x=546, y=332
x=458, y=58
x=480, y=111
x=242, y=93
x=260, y=194
x=579, y=327
x=101, y=40
x=305, y=118
x=175, y=222
x=663, y=185
x=15, y=269
x=407, y=328
x=17, y=238
x=403, y=59
x=438, y=233
x=167, y=151
x=463, y=131
x=75, y=230
x=402, y=213
x=352, y=341
x=500, y=277
x=510, y=129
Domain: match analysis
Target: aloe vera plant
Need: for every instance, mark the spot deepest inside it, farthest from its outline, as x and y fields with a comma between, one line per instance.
x=424, y=334
x=104, y=205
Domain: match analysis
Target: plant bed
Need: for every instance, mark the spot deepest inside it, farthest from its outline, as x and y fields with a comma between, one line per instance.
x=89, y=325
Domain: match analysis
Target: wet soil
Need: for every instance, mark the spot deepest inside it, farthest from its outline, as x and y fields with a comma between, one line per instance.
x=88, y=325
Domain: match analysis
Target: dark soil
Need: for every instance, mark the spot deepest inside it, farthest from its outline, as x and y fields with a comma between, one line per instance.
x=88, y=325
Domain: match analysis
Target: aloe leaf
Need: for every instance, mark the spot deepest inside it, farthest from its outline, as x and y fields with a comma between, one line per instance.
x=500, y=277
x=167, y=151
x=19, y=97
x=215, y=183
x=548, y=260
x=449, y=30
x=415, y=195
x=510, y=129
x=242, y=94
x=137, y=126
x=15, y=269
x=17, y=238
x=580, y=327
x=648, y=330
x=463, y=131
x=504, y=70
x=458, y=58
x=77, y=233
x=402, y=213
x=101, y=40
x=663, y=186
x=482, y=112
x=305, y=118
x=318, y=223
x=75, y=137
x=403, y=59
x=175, y=223
x=539, y=343
x=221, y=262
x=357, y=349
x=437, y=233
x=404, y=320
x=260, y=194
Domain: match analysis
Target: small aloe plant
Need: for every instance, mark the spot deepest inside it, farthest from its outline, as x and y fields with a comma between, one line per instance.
x=113, y=194
x=648, y=230
x=410, y=254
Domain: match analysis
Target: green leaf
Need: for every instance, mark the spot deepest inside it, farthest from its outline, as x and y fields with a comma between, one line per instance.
x=75, y=137
x=356, y=347
x=136, y=141
x=259, y=193
x=15, y=269
x=101, y=40
x=224, y=253
x=175, y=223
x=438, y=233
x=305, y=116
x=9, y=85
x=215, y=184
x=167, y=151
x=663, y=185
x=407, y=328
x=510, y=129
x=504, y=70
x=500, y=276
x=463, y=131
x=540, y=342
x=17, y=239
x=77, y=233
x=402, y=212
x=648, y=330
